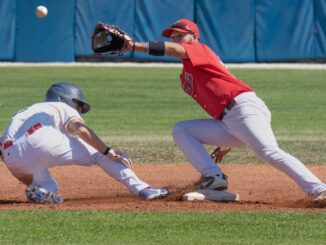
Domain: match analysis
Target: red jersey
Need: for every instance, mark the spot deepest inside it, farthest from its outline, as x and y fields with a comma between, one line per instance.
x=206, y=79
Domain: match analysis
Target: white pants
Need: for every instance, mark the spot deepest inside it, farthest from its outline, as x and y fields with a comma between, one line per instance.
x=247, y=123
x=32, y=155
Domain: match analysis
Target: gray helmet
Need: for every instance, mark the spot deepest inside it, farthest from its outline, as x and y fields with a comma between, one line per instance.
x=68, y=93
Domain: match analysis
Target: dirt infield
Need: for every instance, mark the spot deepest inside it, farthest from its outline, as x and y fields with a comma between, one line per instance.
x=261, y=188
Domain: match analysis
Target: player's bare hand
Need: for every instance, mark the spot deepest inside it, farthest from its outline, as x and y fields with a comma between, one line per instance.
x=119, y=156
x=219, y=153
x=129, y=46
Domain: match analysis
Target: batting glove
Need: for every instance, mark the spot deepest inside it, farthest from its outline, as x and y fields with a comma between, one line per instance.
x=119, y=156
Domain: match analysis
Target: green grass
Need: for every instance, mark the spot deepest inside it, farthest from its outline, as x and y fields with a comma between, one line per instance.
x=135, y=108
x=97, y=227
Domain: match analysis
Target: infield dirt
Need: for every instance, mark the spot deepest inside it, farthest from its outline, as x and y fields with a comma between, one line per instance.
x=261, y=188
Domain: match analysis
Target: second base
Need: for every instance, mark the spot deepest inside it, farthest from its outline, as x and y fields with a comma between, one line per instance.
x=202, y=194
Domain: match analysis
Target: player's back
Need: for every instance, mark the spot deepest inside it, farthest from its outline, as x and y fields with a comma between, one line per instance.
x=45, y=113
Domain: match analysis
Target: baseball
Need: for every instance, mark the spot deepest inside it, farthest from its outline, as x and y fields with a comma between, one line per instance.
x=41, y=11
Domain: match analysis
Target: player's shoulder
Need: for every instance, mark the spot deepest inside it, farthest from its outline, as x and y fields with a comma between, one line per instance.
x=49, y=104
x=56, y=105
x=197, y=47
x=194, y=44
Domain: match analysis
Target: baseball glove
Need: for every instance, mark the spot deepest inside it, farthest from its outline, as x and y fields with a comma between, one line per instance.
x=109, y=39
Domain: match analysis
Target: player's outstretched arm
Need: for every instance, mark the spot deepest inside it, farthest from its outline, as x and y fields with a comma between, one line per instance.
x=121, y=42
x=77, y=127
x=158, y=48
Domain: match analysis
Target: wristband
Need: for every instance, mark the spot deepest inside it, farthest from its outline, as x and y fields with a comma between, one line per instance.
x=106, y=150
x=156, y=48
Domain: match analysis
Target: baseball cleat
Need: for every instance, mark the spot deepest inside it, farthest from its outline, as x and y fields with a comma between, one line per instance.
x=36, y=194
x=217, y=182
x=320, y=196
x=153, y=193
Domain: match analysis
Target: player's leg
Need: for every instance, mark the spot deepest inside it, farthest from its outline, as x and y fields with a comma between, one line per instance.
x=29, y=158
x=190, y=136
x=76, y=151
x=249, y=121
x=43, y=188
x=129, y=179
x=121, y=173
x=27, y=166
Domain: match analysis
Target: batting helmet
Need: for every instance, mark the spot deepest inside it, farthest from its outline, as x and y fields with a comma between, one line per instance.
x=68, y=93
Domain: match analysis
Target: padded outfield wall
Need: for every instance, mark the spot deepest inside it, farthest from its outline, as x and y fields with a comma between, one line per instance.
x=238, y=30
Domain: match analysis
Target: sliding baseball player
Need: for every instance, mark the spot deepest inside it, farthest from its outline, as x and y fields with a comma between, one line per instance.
x=52, y=133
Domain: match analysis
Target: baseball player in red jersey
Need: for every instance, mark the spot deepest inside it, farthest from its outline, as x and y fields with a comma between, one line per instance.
x=239, y=116
x=52, y=133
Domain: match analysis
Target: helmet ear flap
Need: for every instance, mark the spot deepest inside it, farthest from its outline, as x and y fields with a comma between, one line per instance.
x=68, y=101
x=62, y=99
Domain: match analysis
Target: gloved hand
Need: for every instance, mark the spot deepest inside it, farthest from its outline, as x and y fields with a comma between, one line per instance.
x=119, y=156
x=110, y=39
x=219, y=153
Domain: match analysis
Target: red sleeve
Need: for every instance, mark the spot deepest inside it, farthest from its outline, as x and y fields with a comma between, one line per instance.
x=197, y=53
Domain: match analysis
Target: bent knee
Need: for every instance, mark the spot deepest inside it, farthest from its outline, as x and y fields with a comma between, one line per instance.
x=178, y=130
x=25, y=178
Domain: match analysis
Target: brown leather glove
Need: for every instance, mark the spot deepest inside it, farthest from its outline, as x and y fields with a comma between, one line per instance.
x=109, y=39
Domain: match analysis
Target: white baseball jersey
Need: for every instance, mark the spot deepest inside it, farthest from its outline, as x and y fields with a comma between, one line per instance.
x=55, y=114
x=36, y=139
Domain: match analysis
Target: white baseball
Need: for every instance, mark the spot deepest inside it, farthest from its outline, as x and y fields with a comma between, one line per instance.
x=41, y=11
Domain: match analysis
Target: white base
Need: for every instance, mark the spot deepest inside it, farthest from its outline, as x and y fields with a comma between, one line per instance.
x=202, y=194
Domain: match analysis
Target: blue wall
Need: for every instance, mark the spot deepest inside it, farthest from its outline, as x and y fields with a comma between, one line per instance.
x=7, y=29
x=47, y=39
x=237, y=30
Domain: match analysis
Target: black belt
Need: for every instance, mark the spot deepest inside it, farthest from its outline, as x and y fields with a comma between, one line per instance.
x=228, y=107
